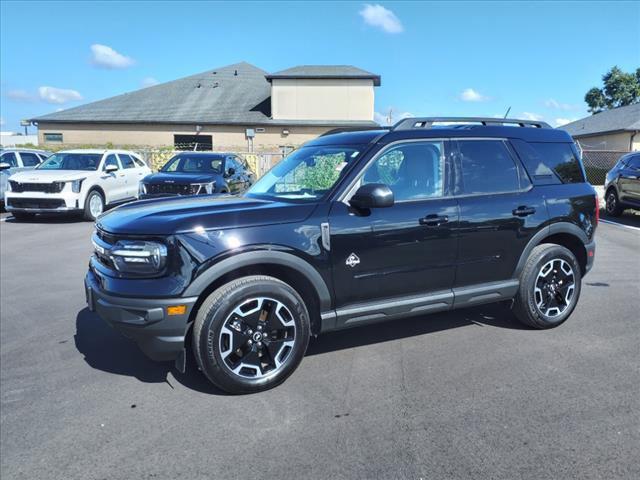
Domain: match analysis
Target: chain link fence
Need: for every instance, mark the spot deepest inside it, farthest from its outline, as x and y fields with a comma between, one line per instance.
x=598, y=162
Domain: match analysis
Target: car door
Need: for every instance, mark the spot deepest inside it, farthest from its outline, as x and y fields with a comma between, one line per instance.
x=629, y=180
x=132, y=173
x=499, y=211
x=405, y=250
x=113, y=183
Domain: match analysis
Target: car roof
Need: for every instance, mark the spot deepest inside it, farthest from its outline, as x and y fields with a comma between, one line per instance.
x=468, y=128
x=100, y=151
x=27, y=150
x=204, y=154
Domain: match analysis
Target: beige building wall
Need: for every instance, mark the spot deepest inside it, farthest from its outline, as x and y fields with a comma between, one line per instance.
x=614, y=141
x=224, y=137
x=322, y=99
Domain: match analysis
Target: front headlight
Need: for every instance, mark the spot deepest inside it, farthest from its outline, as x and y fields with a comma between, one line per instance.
x=139, y=257
x=76, y=185
x=202, y=188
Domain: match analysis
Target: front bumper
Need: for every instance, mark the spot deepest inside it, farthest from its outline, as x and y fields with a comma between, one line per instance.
x=145, y=320
x=40, y=202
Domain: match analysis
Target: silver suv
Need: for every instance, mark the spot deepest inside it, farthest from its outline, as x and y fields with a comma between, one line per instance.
x=15, y=160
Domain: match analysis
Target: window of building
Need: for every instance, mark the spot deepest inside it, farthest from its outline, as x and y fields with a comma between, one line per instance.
x=487, y=167
x=193, y=142
x=53, y=137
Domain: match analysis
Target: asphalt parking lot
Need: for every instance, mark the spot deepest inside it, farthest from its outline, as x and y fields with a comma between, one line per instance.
x=467, y=394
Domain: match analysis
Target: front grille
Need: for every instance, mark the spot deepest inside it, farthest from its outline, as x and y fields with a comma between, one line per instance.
x=168, y=188
x=19, y=187
x=42, y=203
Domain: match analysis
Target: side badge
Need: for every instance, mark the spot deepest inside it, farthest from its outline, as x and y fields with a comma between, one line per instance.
x=352, y=260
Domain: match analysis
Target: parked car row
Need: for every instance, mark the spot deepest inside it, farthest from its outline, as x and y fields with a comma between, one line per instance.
x=88, y=181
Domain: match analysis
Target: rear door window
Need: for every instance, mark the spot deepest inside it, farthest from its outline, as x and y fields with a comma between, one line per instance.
x=127, y=161
x=486, y=166
x=29, y=159
x=549, y=162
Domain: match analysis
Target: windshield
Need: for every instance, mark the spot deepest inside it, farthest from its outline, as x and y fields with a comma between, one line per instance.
x=306, y=174
x=194, y=164
x=72, y=161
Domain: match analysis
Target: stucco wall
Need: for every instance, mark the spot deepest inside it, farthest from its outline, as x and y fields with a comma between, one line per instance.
x=224, y=137
x=614, y=141
x=322, y=99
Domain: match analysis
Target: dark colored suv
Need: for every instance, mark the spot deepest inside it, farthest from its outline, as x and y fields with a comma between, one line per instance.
x=354, y=227
x=622, y=185
x=198, y=173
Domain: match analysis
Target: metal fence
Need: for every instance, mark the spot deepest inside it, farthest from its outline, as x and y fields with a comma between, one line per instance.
x=598, y=162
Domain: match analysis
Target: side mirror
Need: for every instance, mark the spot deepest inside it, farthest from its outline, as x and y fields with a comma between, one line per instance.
x=5, y=166
x=110, y=168
x=372, y=195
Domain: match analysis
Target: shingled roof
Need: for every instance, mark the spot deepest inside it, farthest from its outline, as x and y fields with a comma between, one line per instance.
x=614, y=120
x=238, y=94
x=326, y=71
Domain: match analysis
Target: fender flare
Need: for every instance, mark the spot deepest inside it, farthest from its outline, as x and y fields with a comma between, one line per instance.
x=554, y=228
x=270, y=257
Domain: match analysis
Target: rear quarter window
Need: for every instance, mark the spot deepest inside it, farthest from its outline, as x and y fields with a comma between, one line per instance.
x=549, y=163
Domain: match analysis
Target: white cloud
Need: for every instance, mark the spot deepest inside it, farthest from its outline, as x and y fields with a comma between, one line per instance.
x=470, y=95
x=563, y=121
x=20, y=95
x=552, y=103
x=532, y=116
x=380, y=17
x=107, y=57
x=149, y=82
x=383, y=118
x=58, y=95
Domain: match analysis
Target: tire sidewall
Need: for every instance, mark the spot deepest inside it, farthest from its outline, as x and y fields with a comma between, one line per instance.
x=212, y=361
x=87, y=207
x=557, y=252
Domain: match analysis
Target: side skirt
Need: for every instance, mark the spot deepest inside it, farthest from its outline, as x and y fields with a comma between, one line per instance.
x=401, y=307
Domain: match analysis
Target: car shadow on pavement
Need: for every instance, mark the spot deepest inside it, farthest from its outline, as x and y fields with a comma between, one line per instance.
x=40, y=219
x=630, y=218
x=107, y=350
x=494, y=315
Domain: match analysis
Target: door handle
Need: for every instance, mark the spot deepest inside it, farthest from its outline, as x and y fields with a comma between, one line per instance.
x=523, y=211
x=433, y=220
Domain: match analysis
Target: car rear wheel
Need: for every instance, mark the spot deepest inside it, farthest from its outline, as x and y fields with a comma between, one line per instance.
x=613, y=206
x=549, y=287
x=93, y=205
x=251, y=334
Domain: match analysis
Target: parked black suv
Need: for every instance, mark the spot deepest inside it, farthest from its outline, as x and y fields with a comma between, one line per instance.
x=354, y=227
x=198, y=173
x=622, y=185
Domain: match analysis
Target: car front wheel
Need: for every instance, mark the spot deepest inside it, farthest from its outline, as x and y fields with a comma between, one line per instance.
x=549, y=287
x=93, y=206
x=250, y=334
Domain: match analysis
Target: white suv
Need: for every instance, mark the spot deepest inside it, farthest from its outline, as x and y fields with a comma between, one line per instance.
x=76, y=181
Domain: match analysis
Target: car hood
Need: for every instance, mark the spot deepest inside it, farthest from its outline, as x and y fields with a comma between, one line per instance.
x=172, y=177
x=166, y=216
x=45, y=176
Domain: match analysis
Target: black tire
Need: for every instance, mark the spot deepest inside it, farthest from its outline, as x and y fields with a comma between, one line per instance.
x=216, y=312
x=612, y=204
x=87, y=208
x=526, y=302
x=23, y=216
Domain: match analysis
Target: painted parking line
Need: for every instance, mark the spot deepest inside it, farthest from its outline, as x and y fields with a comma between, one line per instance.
x=620, y=225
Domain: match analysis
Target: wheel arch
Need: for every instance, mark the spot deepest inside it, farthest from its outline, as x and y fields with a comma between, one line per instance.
x=565, y=234
x=294, y=271
x=98, y=189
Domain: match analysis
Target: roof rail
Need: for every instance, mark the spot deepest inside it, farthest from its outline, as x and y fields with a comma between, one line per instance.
x=427, y=122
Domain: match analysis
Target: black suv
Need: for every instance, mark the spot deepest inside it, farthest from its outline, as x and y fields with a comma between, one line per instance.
x=622, y=185
x=354, y=227
x=198, y=173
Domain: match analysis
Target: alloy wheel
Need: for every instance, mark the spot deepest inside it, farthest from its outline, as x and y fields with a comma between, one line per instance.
x=257, y=338
x=611, y=202
x=95, y=205
x=554, y=287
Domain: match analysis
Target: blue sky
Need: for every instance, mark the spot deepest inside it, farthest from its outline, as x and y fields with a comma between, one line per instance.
x=435, y=58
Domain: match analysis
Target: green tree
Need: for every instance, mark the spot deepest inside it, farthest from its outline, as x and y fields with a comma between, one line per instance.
x=619, y=89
